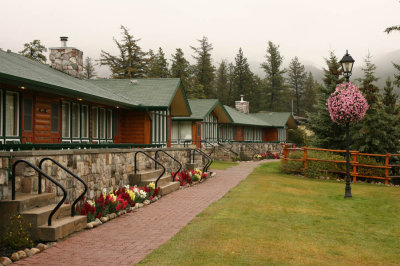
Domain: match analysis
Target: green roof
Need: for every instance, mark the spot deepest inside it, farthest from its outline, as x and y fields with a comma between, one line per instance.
x=146, y=92
x=201, y=108
x=240, y=118
x=31, y=74
x=276, y=119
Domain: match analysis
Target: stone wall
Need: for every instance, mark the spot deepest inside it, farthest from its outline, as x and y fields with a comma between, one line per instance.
x=245, y=151
x=99, y=168
x=68, y=60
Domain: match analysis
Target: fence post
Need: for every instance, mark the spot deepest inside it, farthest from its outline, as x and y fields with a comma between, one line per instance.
x=387, y=169
x=355, y=172
x=285, y=153
x=305, y=158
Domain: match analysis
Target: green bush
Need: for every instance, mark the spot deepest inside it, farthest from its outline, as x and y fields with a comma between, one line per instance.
x=298, y=136
x=293, y=166
x=316, y=169
x=17, y=235
x=370, y=171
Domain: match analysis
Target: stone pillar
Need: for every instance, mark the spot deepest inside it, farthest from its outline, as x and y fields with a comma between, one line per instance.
x=242, y=106
x=67, y=59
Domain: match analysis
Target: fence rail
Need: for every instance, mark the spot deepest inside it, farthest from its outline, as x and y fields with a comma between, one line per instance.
x=354, y=162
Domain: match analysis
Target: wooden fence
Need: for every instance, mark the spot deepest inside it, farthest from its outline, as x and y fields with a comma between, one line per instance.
x=354, y=163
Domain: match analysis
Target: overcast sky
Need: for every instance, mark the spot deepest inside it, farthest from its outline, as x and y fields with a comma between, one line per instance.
x=304, y=28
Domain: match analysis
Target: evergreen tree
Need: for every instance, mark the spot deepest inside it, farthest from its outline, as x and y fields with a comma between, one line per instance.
x=274, y=77
x=195, y=90
x=131, y=61
x=180, y=68
x=222, y=83
x=296, y=80
x=391, y=118
x=397, y=76
x=157, y=65
x=327, y=134
x=203, y=69
x=308, y=100
x=88, y=68
x=369, y=134
x=34, y=50
x=242, y=77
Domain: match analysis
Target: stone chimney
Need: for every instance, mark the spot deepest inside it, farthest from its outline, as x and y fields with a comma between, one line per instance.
x=242, y=106
x=67, y=59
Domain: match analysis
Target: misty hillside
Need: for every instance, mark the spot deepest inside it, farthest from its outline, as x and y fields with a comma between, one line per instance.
x=384, y=68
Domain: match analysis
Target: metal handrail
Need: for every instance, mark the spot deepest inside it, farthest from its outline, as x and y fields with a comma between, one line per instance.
x=156, y=162
x=212, y=144
x=40, y=173
x=180, y=165
x=228, y=149
x=69, y=172
x=210, y=160
x=250, y=145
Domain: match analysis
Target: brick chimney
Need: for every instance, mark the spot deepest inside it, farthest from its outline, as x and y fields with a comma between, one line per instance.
x=67, y=59
x=242, y=106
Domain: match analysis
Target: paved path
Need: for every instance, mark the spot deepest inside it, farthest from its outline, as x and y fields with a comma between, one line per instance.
x=131, y=237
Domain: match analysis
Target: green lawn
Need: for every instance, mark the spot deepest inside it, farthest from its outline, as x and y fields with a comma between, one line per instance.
x=222, y=165
x=272, y=218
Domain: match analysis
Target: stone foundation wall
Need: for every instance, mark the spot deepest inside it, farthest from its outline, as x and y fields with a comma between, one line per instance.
x=245, y=151
x=99, y=168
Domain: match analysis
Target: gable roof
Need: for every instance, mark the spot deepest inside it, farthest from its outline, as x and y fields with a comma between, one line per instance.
x=240, y=118
x=152, y=92
x=201, y=108
x=26, y=72
x=277, y=119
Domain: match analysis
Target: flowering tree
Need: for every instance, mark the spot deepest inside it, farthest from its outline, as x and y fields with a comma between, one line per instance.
x=346, y=104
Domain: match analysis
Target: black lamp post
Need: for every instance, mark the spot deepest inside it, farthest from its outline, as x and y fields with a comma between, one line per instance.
x=347, y=63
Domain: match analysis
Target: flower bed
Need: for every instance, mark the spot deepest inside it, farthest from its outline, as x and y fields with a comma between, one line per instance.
x=268, y=155
x=190, y=176
x=115, y=201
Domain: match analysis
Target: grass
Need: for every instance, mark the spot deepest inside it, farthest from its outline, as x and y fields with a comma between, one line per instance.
x=273, y=218
x=222, y=165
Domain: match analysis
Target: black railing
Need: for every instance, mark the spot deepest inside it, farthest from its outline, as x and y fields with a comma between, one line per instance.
x=209, y=158
x=228, y=149
x=211, y=144
x=250, y=145
x=69, y=172
x=40, y=173
x=169, y=155
x=154, y=160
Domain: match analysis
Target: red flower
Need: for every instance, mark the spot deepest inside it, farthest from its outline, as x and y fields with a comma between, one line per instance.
x=98, y=215
x=151, y=197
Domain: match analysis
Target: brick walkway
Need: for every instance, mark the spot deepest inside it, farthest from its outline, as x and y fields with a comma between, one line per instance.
x=131, y=237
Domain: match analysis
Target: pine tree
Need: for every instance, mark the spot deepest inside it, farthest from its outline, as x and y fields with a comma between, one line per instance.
x=157, y=65
x=34, y=50
x=131, y=61
x=326, y=133
x=203, y=70
x=369, y=134
x=308, y=100
x=274, y=77
x=242, y=77
x=222, y=83
x=180, y=68
x=88, y=68
x=297, y=77
x=397, y=76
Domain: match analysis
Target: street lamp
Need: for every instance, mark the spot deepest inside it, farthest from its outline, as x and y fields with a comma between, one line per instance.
x=347, y=63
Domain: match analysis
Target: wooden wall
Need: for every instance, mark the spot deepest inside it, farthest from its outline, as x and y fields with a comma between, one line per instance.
x=239, y=136
x=135, y=127
x=270, y=134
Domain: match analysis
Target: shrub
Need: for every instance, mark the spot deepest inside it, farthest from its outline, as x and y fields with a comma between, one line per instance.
x=293, y=166
x=316, y=169
x=298, y=136
x=17, y=235
x=370, y=171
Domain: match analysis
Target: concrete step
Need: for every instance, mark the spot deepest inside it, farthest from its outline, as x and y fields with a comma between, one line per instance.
x=168, y=188
x=144, y=175
x=164, y=180
x=61, y=228
x=23, y=202
x=39, y=216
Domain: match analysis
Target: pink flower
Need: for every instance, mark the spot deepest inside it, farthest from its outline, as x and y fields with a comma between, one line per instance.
x=347, y=104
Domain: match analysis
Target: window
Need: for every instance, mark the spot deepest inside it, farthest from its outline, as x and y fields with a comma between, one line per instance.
x=1, y=113
x=159, y=127
x=109, y=124
x=54, y=117
x=198, y=130
x=75, y=120
x=210, y=127
x=181, y=131
x=85, y=121
x=28, y=114
x=95, y=122
x=102, y=123
x=282, y=134
x=115, y=124
x=12, y=114
x=65, y=114
x=175, y=132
